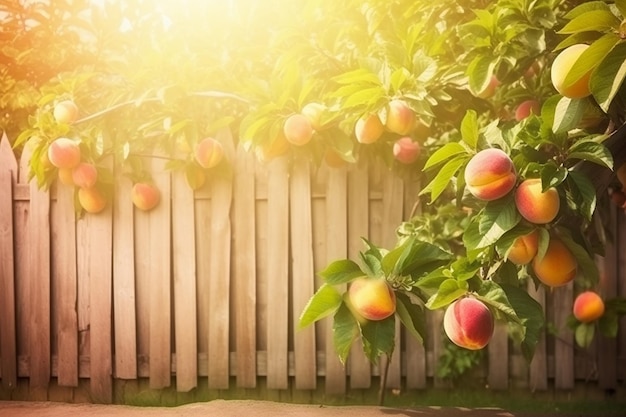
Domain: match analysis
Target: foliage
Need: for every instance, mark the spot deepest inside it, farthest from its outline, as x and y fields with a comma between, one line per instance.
x=149, y=83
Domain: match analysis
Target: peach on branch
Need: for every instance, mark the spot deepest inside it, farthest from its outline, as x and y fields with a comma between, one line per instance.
x=314, y=112
x=368, y=129
x=468, y=323
x=490, y=174
x=64, y=153
x=372, y=298
x=558, y=265
x=401, y=118
x=65, y=111
x=526, y=108
x=534, y=204
x=145, y=196
x=562, y=65
x=85, y=175
x=524, y=248
x=490, y=89
x=588, y=306
x=298, y=129
x=406, y=151
x=92, y=200
x=267, y=151
x=209, y=152
x=65, y=176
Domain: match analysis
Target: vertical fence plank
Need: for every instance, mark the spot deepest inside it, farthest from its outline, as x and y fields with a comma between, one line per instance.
x=539, y=365
x=336, y=248
x=244, y=268
x=498, y=352
x=358, y=227
x=39, y=265
x=64, y=274
x=184, y=267
x=607, y=347
x=620, y=242
x=278, y=274
x=8, y=344
x=124, y=282
x=303, y=281
x=160, y=282
x=218, y=284
x=564, y=343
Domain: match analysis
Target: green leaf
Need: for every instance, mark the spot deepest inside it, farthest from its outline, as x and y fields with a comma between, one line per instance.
x=358, y=76
x=444, y=176
x=341, y=272
x=608, y=324
x=469, y=128
x=552, y=175
x=414, y=258
x=593, y=20
x=493, y=295
x=364, y=97
x=583, y=193
x=411, y=315
x=567, y=114
x=586, y=7
x=345, y=331
x=530, y=312
x=589, y=150
x=586, y=263
x=584, y=334
x=621, y=6
x=444, y=153
x=449, y=290
x=608, y=77
x=591, y=58
x=480, y=71
x=499, y=217
x=378, y=338
x=323, y=303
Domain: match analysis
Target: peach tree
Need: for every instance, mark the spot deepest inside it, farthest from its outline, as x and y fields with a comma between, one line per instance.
x=510, y=112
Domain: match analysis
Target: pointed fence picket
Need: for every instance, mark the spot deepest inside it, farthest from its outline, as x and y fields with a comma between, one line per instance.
x=205, y=291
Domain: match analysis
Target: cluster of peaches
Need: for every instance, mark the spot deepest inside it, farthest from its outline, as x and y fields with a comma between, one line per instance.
x=299, y=129
x=75, y=169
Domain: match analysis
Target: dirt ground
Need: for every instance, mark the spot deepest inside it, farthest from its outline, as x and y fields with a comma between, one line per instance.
x=239, y=408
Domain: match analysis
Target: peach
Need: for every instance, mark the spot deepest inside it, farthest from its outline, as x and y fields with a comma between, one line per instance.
x=368, y=129
x=91, y=199
x=145, y=196
x=588, y=307
x=85, y=175
x=333, y=159
x=372, y=298
x=65, y=112
x=277, y=147
x=526, y=108
x=64, y=153
x=298, y=129
x=490, y=90
x=401, y=118
x=65, y=176
x=562, y=65
x=524, y=248
x=314, y=112
x=406, y=151
x=534, y=205
x=490, y=174
x=558, y=265
x=468, y=323
x=209, y=152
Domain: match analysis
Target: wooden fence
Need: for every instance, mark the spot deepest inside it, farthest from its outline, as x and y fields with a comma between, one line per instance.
x=209, y=285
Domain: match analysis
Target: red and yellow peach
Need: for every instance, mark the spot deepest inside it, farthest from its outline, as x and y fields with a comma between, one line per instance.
x=534, y=204
x=468, y=323
x=490, y=174
x=372, y=298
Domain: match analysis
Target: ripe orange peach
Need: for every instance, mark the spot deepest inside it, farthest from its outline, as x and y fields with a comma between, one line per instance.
x=65, y=176
x=372, y=298
x=468, y=323
x=562, y=65
x=368, y=129
x=534, y=205
x=85, y=175
x=64, y=153
x=490, y=90
x=92, y=199
x=524, y=248
x=145, y=196
x=558, y=265
x=526, y=108
x=401, y=118
x=314, y=112
x=277, y=147
x=65, y=112
x=490, y=174
x=209, y=152
x=298, y=129
x=588, y=307
x=406, y=151
x=333, y=159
